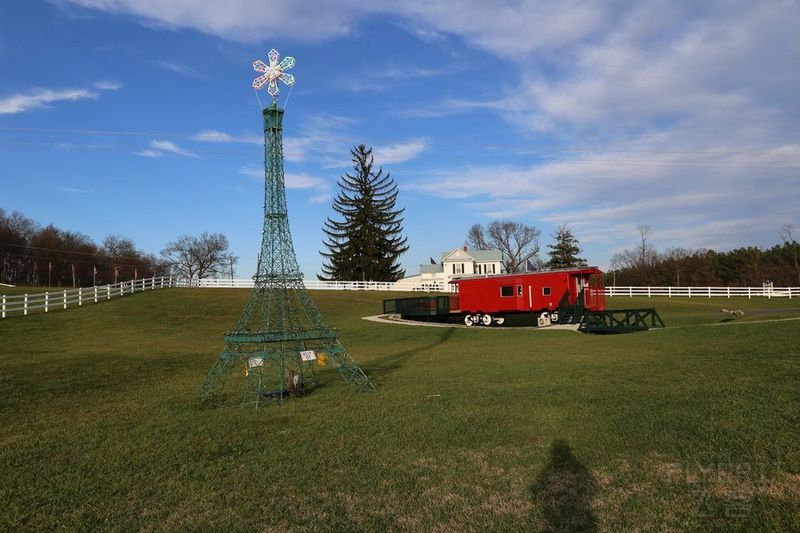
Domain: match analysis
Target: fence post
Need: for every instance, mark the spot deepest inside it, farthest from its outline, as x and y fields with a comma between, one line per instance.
x=709, y=292
x=46, y=302
x=25, y=306
x=648, y=292
x=690, y=291
x=748, y=293
x=80, y=296
x=95, y=294
x=108, y=292
x=65, y=299
x=729, y=291
x=4, y=307
x=630, y=291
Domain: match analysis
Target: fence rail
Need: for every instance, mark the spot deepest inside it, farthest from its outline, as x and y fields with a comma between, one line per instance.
x=23, y=304
x=706, y=292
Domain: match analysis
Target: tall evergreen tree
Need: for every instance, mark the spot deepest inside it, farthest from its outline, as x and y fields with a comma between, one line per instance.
x=564, y=250
x=366, y=243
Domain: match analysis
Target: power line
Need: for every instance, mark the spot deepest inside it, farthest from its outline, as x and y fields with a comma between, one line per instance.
x=543, y=158
x=349, y=139
x=137, y=258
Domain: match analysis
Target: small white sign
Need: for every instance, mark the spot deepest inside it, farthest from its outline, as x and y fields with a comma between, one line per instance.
x=255, y=361
x=308, y=355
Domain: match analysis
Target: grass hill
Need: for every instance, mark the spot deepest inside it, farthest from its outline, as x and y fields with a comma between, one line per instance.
x=692, y=427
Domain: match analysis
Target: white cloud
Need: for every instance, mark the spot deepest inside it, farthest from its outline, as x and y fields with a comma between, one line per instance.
x=293, y=180
x=76, y=190
x=399, y=152
x=172, y=148
x=159, y=148
x=320, y=199
x=704, y=98
x=214, y=136
x=106, y=85
x=149, y=153
x=38, y=98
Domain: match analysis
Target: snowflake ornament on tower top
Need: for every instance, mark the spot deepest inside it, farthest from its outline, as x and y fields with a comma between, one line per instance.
x=274, y=72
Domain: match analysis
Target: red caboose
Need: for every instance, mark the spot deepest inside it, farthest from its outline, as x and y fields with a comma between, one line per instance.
x=492, y=299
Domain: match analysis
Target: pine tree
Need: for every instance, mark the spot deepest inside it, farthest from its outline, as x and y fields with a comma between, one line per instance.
x=564, y=251
x=366, y=244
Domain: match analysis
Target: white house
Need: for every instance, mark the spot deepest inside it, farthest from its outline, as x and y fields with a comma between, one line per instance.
x=456, y=263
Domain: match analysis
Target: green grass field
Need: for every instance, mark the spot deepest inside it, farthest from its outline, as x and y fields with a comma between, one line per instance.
x=695, y=427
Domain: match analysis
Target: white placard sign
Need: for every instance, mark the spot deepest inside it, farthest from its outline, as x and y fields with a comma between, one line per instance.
x=255, y=361
x=308, y=355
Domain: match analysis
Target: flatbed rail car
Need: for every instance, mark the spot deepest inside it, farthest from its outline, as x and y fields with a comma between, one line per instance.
x=559, y=296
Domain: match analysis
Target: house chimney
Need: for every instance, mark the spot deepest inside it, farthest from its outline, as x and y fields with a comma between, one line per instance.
x=465, y=247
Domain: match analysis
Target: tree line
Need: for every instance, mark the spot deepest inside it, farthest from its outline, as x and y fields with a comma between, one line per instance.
x=643, y=265
x=37, y=255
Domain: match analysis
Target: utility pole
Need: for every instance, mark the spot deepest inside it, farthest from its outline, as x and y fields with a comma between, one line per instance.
x=73, y=274
x=49, y=273
x=231, y=260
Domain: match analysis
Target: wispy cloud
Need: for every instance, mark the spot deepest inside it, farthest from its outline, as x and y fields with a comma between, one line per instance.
x=179, y=68
x=149, y=153
x=159, y=148
x=215, y=136
x=400, y=152
x=293, y=180
x=38, y=98
x=74, y=190
x=107, y=85
x=386, y=78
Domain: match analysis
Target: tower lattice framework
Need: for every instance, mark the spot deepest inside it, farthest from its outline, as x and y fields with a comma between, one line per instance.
x=280, y=321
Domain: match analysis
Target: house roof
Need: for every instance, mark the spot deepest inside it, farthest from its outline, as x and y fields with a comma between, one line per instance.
x=479, y=256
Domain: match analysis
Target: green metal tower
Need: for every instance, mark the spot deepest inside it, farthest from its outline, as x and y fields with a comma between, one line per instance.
x=281, y=337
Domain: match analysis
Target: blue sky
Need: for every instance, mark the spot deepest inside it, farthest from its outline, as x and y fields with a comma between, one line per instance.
x=137, y=118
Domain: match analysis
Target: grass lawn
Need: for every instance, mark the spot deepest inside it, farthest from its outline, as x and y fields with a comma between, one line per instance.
x=695, y=427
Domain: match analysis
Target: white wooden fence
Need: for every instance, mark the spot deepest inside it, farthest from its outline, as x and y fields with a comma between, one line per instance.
x=23, y=304
x=706, y=292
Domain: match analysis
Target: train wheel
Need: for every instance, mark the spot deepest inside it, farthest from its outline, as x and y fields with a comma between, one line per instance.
x=486, y=320
x=468, y=320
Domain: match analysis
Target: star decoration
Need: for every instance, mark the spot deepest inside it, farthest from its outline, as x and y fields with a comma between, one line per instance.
x=274, y=72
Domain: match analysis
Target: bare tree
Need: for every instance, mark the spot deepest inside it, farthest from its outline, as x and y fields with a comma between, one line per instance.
x=476, y=238
x=646, y=253
x=518, y=242
x=787, y=234
x=199, y=257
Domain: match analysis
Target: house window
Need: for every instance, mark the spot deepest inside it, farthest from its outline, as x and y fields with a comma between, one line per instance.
x=458, y=268
x=479, y=269
x=493, y=268
x=545, y=291
x=508, y=290
x=519, y=290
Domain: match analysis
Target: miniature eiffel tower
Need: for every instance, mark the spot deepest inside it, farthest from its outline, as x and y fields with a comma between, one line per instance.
x=281, y=336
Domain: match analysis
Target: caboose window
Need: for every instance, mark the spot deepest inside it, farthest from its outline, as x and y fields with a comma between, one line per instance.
x=508, y=290
x=519, y=290
x=545, y=291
